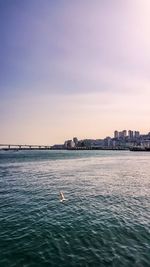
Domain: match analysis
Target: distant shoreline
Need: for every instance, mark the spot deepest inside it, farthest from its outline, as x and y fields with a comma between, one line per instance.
x=66, y=149
x=134, y=149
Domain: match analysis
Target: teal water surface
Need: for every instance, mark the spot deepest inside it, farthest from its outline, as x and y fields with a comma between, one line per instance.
x=104, y=222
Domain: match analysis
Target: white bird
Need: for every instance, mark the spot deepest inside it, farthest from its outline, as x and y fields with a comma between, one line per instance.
x=62, y=198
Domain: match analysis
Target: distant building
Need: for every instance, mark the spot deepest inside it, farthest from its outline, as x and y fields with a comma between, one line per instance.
x=75, y=140
x=69, y=144
x=122, y=134
x=136, y=134
x=130, y=134
x=108, y=142
x=87, y=143
x=116, y=134
x=98, y=143
x=114, y=144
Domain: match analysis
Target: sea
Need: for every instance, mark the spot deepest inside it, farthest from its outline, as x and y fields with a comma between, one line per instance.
x=105, y=220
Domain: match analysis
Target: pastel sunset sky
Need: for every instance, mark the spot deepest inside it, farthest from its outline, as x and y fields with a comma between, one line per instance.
x=73, y=68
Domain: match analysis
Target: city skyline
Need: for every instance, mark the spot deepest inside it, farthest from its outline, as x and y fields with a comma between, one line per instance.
x=117, y=134
x=121, y=140
x=73, y=69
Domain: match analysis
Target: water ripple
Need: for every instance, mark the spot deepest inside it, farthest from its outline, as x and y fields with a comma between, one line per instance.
x=105, y=222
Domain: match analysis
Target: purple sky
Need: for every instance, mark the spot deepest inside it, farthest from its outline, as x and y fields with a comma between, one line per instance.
x=73, y=68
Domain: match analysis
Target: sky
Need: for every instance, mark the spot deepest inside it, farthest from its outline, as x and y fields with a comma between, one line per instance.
x=73, y=68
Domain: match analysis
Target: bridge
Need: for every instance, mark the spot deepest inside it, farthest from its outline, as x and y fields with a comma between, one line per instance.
x=23, y=147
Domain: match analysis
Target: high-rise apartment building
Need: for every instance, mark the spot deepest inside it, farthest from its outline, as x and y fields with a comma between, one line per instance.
x=136, y=134
x=116, y=134
x=123, y=134
x=130, y=134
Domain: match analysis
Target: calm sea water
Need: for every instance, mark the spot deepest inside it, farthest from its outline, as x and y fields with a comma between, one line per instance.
x=104, y=222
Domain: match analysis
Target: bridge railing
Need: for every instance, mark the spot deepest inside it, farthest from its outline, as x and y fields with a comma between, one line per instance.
x=22, y=146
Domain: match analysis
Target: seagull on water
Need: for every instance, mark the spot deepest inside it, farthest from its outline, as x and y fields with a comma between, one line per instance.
x=62, y=198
